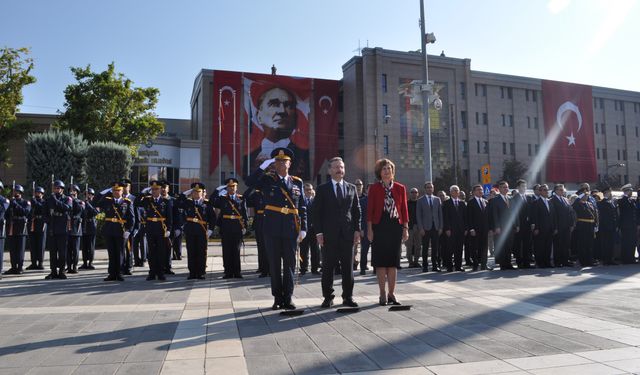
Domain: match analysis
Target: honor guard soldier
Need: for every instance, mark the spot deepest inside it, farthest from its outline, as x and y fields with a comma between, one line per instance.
x=75, y=230
x=17, y=217
x=58, y=209
x=127, y=261
x=255, y=200
x=628, y=225
x=139, y=241
x=171, y=228
x=118, y=224
x=178, y=227
x=200, y=221
x=37, y=229
x=232, y=221
x=89, y=229
x=585, y=227
x=4, y=205
x=285, y=221
x=158, y=222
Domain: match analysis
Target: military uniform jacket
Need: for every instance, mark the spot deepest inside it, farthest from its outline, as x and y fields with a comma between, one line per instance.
x=199, y=216
x=75, y=222
x=584, y=211
x=608, y=216
x=4, y=204
x=18, y=217
x=136, y=214
x=179, y=218
x=232, y=218
x=627, y=209
x=114, y=210
x=89, y=222
x=139, y=214
x=153, y=213
x=253, y=198
x=38, y=215
x=273, y=190
x=58, y=209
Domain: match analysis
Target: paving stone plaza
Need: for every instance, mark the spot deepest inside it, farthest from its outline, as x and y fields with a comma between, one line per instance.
x=551, y=321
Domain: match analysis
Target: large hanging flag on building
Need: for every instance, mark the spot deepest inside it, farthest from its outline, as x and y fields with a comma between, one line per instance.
x=568, y=117
x=226, y=116
x=326, y=121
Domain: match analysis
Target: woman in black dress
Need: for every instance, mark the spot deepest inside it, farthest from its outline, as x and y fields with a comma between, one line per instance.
x=387, y=227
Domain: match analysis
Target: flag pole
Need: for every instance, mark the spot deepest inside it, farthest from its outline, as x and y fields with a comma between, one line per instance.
x=234, y=134
x=220, y=136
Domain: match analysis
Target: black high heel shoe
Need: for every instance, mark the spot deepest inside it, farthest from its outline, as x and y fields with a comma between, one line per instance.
x=392, y=301
x=383, y=301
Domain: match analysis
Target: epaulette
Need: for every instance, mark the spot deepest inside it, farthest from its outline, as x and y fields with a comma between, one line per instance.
x=127, y=199
x=257, y=190
x=189, y=199
x=239, y=195
x=205, y=200
x=296, y=178
x=272, y=175
x=108, y=198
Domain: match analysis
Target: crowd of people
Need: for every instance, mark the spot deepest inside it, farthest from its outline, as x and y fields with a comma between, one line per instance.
x=329, y=230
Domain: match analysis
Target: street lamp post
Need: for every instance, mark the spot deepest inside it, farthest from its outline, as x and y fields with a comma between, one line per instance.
x=426, y=93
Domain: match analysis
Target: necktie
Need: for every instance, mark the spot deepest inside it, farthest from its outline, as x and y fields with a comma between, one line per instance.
x=455, y=203
x=481, y=204
x=430, y=202
x=339, y=191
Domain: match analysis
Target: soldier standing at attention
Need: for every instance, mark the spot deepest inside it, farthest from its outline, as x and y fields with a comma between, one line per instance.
x=58, y=209
x=17, y=216
x=158, y=220
x=171, y=228
x=254, y=199
x=200, y=221
x=232, y=220
x=118, y=217
x=285, y=222
x=89, y=228
x=37, y=229
x=75, y=230
x=127, y=260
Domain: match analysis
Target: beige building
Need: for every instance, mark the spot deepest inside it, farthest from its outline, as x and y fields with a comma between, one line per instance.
x=486, y=118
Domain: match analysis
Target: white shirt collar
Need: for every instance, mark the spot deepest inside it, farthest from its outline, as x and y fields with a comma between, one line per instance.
x=267, y=146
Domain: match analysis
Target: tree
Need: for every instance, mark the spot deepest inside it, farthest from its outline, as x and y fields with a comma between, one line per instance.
x=106, y=107
x=513, y=170
x=101, y=174
x=62, y=154
x=451, y=176
x=15, y=74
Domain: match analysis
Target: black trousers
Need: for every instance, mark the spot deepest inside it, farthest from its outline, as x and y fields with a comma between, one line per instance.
x=309, y=249
x=140, y=248
x=282, y=262
x=431, y=237
x=37, y=243
x=168, y=254
x=453, y=250
x=263, y=258
x=157, y=254
x=628, y=242
x=17, y=245
x=542, y=245
x=88, y=248
x=127, y=256
x=57, y=251
x=605, y=240
x=2, y=239
x=196, y=253
x=338, y=250
x=522, y=246
x=177, y=246
x=584, y=237
x=478, y=247
x=231, y=253
x=73, y=251
x=561, y=243
x=364, y=252
x=503, y=244
x=115, y=248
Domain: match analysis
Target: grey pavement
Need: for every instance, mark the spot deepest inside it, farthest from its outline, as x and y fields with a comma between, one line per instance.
x=548, y=321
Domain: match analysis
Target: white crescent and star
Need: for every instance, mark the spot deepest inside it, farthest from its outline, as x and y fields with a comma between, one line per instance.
x=571, y=107
x=322, y=98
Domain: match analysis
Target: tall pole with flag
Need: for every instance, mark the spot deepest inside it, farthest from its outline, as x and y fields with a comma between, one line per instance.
x=235, y=169
x=220, y=120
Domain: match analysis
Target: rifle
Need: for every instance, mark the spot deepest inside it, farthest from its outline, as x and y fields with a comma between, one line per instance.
x=33, y=197
x=52, y=177
x=13, y=189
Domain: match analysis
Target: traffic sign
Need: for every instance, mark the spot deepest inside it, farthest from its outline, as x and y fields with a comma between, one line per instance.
x=485, y=172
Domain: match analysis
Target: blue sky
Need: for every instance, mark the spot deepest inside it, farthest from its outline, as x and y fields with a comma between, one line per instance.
x=164, y=43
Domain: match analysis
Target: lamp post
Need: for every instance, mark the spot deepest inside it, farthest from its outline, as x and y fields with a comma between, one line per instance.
x=426, y=89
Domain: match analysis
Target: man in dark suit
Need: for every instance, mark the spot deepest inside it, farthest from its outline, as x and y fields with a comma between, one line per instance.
x=628, y=226
x=478, y=228
x=455, y=229
x=309, y=249
x=336, y=220
x=565, y=219
x=522, y=239
x=429, y=218
x=545, y=227
x=505, y=225
x=608, y=226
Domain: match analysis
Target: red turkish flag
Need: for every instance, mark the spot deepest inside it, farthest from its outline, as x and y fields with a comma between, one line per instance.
x=226, y=98
x=326, y=120
x=568, y=113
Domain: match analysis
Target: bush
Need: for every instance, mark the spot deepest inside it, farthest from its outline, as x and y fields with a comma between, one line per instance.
x=58, y=153
x=107, y=162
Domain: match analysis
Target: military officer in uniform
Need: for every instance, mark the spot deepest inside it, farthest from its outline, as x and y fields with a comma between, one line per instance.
x=628, y=225
x=58, y=210
x=89, y=229
x=285, y=221
x=585, y=227
x=169, y=240
x=17, y=217
x=127, y=260
x=139, y=240
x=37, y=229
x=255, y=200
x=178, y=228
x=75, y=230
x=608, y=226
x=4, y=205
x=232, y=221
x=200, y=221
x=118, y=217
x=158, y=218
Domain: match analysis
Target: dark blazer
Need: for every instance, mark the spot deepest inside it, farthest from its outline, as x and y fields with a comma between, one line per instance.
x=454, y=218
x=478, y=218
x=336, y=219
x=375, y=202
x=501, y=214
x=522, y=206
x=543, y=219
x=608, y=215
x=565, y=217
x=627, y=214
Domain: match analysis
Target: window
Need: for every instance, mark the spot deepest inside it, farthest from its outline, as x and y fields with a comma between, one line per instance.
x=535, y=123
x=617, y=129
x=526, y=95
x=596, y=127
x=465, y=148
x=604, y=153
x=528, y=122
x=383, y=82
x=597, y=153
x=537, y=148
x=615, y=105
x=504, y=148
x=477, y=88
x=386, y=145
x=478, y=147
x=509, y=93
x=638, y=155
x=603, y=128
x=535, y=95
x=623, y=130
x=486, y=147
x=512, y=149
x=340, y=130
x=479, y=176
x=463, y=90
x=485, y=118
x=624, y=155
x=385, y=112
x=595, y=103
x=463, y=119
x=529, y=147
x=622, y=106
x=618, y=154
x=502, y=92
x=481, y=90
x=477, y=118
x=504, y=121
x=484, y=90
x=601, y=103
x=511, y=121
x=636, y=132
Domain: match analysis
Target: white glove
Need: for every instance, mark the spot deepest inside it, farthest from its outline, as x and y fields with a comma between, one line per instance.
x=265, y=164
x=221, y=187
x=126, y=235
x=595, y=229
x=209, y=233
x=177, y=232
x=167, y=234
x=302, y=235
x=244, y=231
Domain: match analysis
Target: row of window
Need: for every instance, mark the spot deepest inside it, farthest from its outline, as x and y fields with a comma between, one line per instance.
x=601, y=153
x=507, y=120
x=621, y=130
x=507, y=148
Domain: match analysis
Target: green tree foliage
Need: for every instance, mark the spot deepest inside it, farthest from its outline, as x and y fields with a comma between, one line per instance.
x=59, y=153
x=107, y=162
x=451, y=176
x=15, y=74
x=104, y=106
x=513, y=170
